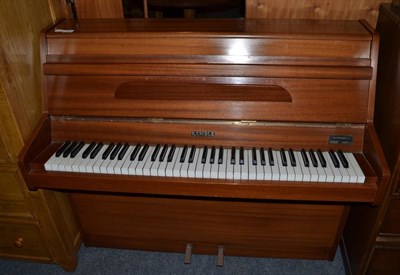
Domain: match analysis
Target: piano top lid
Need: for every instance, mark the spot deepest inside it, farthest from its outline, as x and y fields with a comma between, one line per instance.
x=261, y=28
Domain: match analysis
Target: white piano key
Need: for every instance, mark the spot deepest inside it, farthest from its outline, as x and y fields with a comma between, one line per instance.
x=83, y=164
x=207, y=166
x=244, y=168
x=90, y=168
x=121, y=167
x=169, y=171
x=337, y=176
x=79, y=159
x=297, y=169
x=199, y=165
x=52, y=162
x=148, y=163
x=356, y=167
x=321, y=172
x=134, y=163
x=313, y=170
x=192, y=166
x=330, y=177
x=229, y=166
x=304, y=169
x=266, y=169
x=290, y=169
x=283, y=174
x=104, y=165
x=275, y=167
x=112, y=163
x=176, y=172
x=163, y=165
x=252, y=167
x=350, y=170
x=236, y=166
x=343, y=171
x=66, y=163
x=214, y=166
x=141, y=164
x=99, y=162
x=185, y=164
x=222, y=167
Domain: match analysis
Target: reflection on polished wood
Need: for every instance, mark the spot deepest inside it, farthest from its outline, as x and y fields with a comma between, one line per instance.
x=271, y=83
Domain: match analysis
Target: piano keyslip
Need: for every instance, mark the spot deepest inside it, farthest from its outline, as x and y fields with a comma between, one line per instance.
x=201, y=162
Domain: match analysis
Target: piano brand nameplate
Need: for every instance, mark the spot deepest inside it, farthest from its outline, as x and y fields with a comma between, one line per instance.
x=341, y=140
x=203, y=134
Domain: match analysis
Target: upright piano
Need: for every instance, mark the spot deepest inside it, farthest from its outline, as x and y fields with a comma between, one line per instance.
x=236, y=136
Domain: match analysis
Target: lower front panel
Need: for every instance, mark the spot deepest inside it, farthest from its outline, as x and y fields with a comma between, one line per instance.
x=244, y=228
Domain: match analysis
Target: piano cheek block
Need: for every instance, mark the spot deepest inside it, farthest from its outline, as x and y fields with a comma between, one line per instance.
x=202, y=92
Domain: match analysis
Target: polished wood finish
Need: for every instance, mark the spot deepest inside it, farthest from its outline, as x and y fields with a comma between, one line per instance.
x=31, y=228
x=251, y=82
x=372, y=234
x=99, y=8
x=244, y=228
x=316, y=9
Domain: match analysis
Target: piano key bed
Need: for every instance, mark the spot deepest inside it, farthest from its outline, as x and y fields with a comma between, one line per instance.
x=214, y=162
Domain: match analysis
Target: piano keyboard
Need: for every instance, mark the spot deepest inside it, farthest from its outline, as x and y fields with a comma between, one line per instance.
x=216, y=162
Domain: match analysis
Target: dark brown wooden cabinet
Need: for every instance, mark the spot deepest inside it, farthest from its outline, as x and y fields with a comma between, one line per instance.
x=372, y=234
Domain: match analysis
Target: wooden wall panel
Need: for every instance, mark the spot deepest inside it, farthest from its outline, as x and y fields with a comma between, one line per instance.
x=315, y=9
x=99, y=8
x=19, y=59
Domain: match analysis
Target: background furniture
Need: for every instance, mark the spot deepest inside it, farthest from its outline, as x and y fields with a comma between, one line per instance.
x=37, y=225
x=372, y=235
x=288, y=9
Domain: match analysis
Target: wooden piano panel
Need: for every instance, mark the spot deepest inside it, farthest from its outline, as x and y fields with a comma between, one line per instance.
x=244, y=228
x=310, y=100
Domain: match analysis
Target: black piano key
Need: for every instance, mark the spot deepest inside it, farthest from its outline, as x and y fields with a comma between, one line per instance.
x=69, y=149
x=283, y=157
x=254, y=156
x=183, y=154
x=96, y=150
x=241, y=156
x=89, y=149
x=155, y=153
x=313, y=158
x=63, y=147
x=292, y=158
x=334, y=159
x=123, y=151
x=115, y=151
x=305, y=158
x=271, y=157
x=233, y=155
x=163, y=153
x=221, y=155
x=212, y=156
x=143, y=152
x=171, y=153
x=262, y=156
x=77, y=149
x=107, y=152
x=135, y=152
x=343, y=159
x=321, y=158
x=204, y=155
x=192, y=153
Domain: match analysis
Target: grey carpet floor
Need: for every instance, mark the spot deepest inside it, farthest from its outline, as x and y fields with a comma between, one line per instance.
x=92, y=260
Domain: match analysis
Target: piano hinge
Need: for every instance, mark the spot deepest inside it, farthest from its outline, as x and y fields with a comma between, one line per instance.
x=248, y=121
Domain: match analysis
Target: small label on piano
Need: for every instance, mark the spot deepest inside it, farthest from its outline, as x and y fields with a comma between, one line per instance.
x=203, y=134
x=341, y=140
